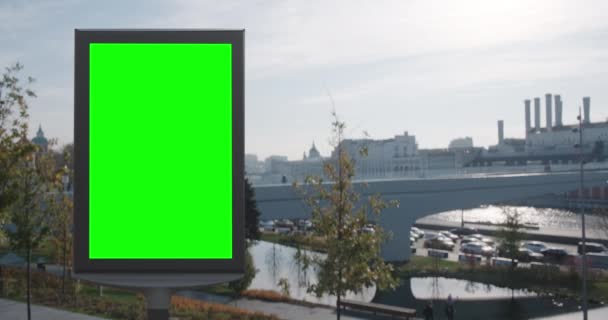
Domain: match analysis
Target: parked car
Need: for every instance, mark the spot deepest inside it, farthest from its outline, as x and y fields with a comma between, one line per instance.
x=305, y=225
x=417, y=231
x=527, y=255
x=592, y=247
x=468, y=239
x=477, y=248
x=439, y=242
x=464, y=231
x=504, y=262
x=448, y=234
x=368, y=229
x=554, y=254
x=267, y=225
x=535, y=246
x=477, y=235
x=412, y=240
x=488, y=241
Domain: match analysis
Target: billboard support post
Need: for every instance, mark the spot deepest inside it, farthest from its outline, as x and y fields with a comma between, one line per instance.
x=157, y=303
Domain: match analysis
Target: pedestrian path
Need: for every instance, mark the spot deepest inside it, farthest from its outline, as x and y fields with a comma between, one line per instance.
x=296, y=312
x=14, y=310
x=594, y=314
x=286, y=311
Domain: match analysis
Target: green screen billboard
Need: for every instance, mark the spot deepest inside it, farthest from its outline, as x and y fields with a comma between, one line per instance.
x=159, y=187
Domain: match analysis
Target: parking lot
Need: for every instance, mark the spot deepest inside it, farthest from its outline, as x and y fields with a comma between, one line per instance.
x=453, y=254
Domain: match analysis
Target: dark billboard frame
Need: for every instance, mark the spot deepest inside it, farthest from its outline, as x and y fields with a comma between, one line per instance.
x=82, y=263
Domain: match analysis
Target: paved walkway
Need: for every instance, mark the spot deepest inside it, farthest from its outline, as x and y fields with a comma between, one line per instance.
x=289, y=311
x=13, y=310
x=284, y=311
x=595, y=314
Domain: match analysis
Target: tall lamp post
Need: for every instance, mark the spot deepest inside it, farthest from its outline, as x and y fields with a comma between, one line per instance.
x=581, y=192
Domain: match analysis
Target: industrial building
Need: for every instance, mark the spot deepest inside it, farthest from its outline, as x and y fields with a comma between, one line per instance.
x=555, y=143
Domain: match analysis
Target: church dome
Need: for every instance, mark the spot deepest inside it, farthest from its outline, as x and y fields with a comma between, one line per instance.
x=313, y=153
x=40, y=139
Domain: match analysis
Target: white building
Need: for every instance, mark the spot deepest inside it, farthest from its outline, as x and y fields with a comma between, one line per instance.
x=461, y=143
x=387, y=158
x=279, y=170
x=252, y=165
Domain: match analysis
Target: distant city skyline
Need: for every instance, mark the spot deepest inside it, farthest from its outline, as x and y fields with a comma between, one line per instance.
x=439, y=70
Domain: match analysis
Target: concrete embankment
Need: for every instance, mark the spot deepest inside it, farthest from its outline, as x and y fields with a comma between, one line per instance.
x=563, y=236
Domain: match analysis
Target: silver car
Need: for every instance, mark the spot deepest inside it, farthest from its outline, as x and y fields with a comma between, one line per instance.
x=477, y=248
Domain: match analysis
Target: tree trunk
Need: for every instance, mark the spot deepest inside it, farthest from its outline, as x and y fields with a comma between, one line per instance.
x=65, y=263
x=339, y=309
x=340, y=208
x=29, y=283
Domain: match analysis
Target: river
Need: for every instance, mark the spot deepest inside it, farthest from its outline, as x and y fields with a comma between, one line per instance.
x=473, y=300
x=547, y=219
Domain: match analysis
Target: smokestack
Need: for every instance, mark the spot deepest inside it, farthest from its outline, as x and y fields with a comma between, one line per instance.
x=548, y=106
x=501, y=131
x=537, y=114
x=528, y=125
x=558, y=110
x=586, y=106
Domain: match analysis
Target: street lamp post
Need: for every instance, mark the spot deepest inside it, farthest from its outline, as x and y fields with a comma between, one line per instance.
x=581, y=192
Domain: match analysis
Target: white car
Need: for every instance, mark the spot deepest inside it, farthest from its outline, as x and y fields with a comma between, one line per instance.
x=488, y=241
x=448, y=234
x=368, y=229
x=534, y=246
x=477, y=248
x=418, y=232
x=477, y=235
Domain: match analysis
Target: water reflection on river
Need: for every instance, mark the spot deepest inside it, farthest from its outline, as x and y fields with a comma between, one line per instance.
x=439, y=288
x=274, y=261
x=473, y=300
x=545, y=218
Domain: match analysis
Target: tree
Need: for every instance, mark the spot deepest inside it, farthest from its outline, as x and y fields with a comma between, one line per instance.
x=252, y=214
x=14, y=148
x=252, y=232
x=511, y=234
x=353, y=259
x=510, y=237
x=13, y=132
x=61, y=214
x=242, y=284
x=35, y=184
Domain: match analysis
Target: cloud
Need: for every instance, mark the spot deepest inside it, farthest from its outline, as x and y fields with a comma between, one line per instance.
x=391, y=66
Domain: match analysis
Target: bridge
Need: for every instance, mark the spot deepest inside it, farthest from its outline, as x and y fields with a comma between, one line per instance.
x=422, y=197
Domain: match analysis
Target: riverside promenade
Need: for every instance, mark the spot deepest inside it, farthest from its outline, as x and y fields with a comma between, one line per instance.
x=14, y=310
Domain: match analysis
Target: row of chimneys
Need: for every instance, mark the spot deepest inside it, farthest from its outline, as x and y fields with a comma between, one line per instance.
x=558, y=112
x=558, y=115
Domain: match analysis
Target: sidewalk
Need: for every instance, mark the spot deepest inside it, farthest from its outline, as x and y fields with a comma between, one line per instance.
x=594, y=314
x=14, y=310
x=285, y=311
x=295, y=312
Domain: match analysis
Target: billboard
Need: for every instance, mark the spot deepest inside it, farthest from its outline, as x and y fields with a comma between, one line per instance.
x=159, y=147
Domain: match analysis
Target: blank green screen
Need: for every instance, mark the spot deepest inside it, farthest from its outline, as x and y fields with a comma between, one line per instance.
x=160, y=148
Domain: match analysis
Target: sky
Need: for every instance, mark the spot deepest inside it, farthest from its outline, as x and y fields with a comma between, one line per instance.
x=436, y=69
